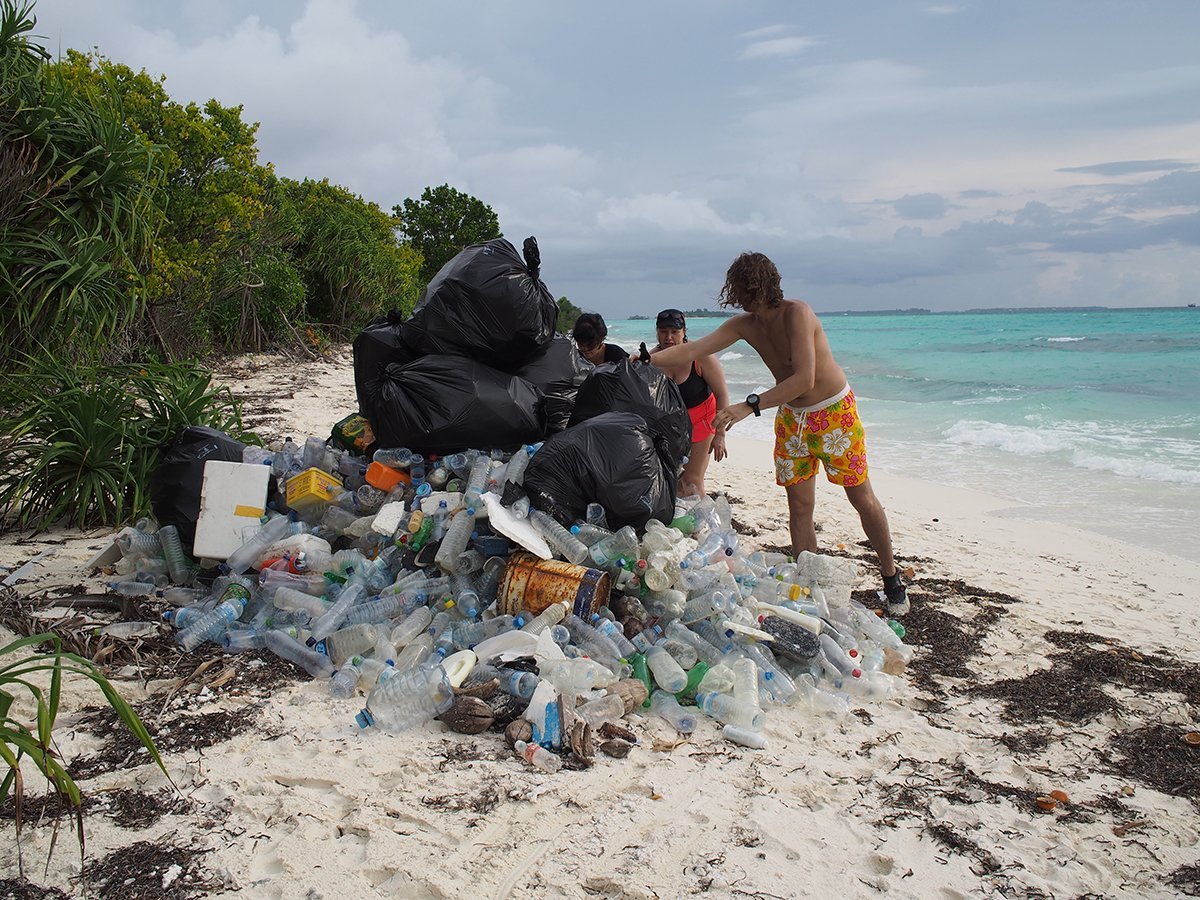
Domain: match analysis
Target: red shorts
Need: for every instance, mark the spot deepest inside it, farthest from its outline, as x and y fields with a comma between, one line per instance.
x=702, y=419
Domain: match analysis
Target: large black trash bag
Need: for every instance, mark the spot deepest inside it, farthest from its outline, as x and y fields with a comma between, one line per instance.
x=645, y=390
x=486, y=303
x=557, y=372
x=176, y=481
x=376, y=347
x=610, y=459
x=443, y=404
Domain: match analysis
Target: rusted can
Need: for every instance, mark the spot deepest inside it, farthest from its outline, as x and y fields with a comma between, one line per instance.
x=533, y=583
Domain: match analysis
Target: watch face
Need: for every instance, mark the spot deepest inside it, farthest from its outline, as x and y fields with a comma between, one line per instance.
x=752, y=399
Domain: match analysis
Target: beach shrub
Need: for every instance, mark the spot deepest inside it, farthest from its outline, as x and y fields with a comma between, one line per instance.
x=21, y=739
x=79, y=442
x=442, y=223
x=78, y=210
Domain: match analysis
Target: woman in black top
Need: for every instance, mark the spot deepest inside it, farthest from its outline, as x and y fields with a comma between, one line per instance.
x=702, y=386
x=589, y=333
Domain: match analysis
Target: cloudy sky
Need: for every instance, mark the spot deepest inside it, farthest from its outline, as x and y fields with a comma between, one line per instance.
x=885, y=154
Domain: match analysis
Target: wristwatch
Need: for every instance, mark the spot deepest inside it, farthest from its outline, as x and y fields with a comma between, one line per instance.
x=752, y=402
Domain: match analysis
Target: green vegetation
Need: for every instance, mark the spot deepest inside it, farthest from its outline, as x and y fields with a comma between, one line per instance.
x=442, y=223
x=80, y=442
x=568, y=312
x=20, y=740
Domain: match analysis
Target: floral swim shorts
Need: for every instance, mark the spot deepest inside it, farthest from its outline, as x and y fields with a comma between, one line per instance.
x=830, y=432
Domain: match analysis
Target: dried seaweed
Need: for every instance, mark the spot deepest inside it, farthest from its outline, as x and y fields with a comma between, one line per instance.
x=1186, y=880
x=22, y=889
x=150, y=871
x=1157, y=756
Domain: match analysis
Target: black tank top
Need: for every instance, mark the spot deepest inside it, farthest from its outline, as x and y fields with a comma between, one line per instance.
x=694, y=389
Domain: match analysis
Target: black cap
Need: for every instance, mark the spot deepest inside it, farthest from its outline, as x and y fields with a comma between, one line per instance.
x=670, y=318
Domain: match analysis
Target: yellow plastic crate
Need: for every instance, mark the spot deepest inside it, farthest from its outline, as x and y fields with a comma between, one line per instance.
x=311, y=487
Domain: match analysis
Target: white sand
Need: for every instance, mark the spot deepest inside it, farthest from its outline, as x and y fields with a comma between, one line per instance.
x=306, y=806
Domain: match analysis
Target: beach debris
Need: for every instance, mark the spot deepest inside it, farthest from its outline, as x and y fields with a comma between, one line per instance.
x=401, y=576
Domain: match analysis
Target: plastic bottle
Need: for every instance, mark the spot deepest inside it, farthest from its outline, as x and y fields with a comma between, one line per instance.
x=209, y=626
x=514, y=472
x=415, y=652
x=348, y=642
x=590, y=640
x=332, y=618
x=458, y=533
x=664, y=704
x=551, y=615
x=667, y=673
x=124, y=631
x=395, y=457
x=468, y=634
x=134, y=543
x=731, y=711
x=477, y=480
x=611, y=630
x=344, y=682
x=744, y=736
x=537, y=756
x=287, y=647
x=243, y=558
x=562, y=541
x=178, y=564
x=134, y=588
x=408, y=699
x=607, y=551
x=608, y=708
x=287, y=598
x=238, y=640
x=682, y=652
x=595, y=515
x=589, y=533
x=707, y=652
x=646, y=638
x=575, y=676
x=745, y=682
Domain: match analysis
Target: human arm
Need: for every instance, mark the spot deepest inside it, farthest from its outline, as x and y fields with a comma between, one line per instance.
x=714, y=374
x=801, y=328
x=724, y=335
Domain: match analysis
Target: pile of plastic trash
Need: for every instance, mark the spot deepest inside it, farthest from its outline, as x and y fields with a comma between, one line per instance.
x=446, y=595
x=546, y=589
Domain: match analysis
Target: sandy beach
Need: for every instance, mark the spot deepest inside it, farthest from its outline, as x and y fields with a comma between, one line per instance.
x=1046, y=660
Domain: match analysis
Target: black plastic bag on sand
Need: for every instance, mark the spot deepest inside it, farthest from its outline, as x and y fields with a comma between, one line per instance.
x=610, y=459
x=376, y=347
x=486, y=303
x=644, y=390
x=443, y=404
x=557, y=372
x=176, y=481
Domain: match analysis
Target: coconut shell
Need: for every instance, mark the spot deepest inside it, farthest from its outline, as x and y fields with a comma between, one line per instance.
x=632, y=691
x=505, y=708
x=518, y=730
x=483, y=689
x=468, y=715
x=613, y=730
x=616, y=747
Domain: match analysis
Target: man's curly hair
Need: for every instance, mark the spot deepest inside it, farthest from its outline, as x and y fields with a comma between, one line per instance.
x=751, y=277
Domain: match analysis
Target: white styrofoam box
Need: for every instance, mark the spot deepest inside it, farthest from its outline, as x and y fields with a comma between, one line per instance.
x=389, y=517
x=232, y=497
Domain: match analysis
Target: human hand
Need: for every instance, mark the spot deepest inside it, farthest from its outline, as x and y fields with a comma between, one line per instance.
x=718, y=447
x=730, y=416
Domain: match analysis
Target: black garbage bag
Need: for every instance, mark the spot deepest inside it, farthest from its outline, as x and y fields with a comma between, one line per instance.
x=486, y=303
x=176, y=481
x=443, y=404
x=644, y=390
x=610, y=459
x=557, y=372
x=377, y=346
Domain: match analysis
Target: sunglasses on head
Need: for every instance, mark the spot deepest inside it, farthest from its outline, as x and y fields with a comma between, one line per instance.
x=670, y=318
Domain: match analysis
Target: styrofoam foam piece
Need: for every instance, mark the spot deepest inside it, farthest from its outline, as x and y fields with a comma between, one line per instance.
x=389, y=517
x=429, y=505
x=515, y=529
x=233, y=497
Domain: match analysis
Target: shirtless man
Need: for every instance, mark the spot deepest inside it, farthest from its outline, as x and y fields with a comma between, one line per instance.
x=816, y=418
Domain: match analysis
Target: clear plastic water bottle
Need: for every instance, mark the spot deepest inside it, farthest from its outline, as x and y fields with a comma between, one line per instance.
x=514, y=472
x=664, y=704
x=595, y=515
x=589, y=533
x=181, y=569
x=728, y=709
x=285, y=646
x=332, y=618
x=537, y=756
x=576, y=676
x=287, y=598
x=614, y=633
x=562, y=541
x=477, y=480
x=458, y=533
x=609, y=708
x=608, y=551
x=395, y=457
x=408, y=699
x=344, y=682
x=245, y=556
x=209, y=626
x=744, y=736
x=411, y=627
x=667, y=673
x=551, y=615
x=348, y=642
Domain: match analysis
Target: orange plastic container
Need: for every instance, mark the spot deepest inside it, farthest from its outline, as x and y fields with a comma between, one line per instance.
x=385, y=477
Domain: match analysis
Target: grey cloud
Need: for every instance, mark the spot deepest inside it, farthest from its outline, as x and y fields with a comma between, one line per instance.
x=921, y=206
x=1131, y=167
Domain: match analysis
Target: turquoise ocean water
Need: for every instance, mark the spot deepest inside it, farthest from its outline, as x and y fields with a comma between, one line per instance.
x=1089, y=418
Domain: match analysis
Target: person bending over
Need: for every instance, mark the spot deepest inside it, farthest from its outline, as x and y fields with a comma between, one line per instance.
x=816, y=420
x=589, y=333
x=702, y=386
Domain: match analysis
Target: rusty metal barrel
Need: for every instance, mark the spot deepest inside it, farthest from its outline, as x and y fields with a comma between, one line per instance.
x=533, y=583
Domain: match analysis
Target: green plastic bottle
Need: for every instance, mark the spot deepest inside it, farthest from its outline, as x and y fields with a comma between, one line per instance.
x=641, y=671
x=695, y=674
